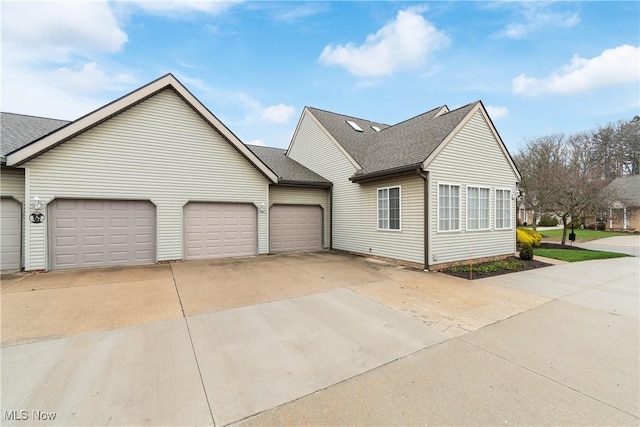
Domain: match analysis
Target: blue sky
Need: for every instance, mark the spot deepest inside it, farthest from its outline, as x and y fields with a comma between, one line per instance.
x=539, y=67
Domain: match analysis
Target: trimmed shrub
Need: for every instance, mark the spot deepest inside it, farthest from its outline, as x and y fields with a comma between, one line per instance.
x=601, y=226
x=548, y=221
x=526, y=252
x=524, y=235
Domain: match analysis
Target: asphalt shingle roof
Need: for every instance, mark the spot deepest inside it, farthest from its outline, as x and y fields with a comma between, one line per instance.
x=18, y=130
x=287, y=169
x=626, y=190
x=401, y=145
x=353, y=141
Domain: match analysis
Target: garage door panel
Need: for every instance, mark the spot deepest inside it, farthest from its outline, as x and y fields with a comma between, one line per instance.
x=214, y=230
x=11, y=234
x=99, y=233
x=295, y=228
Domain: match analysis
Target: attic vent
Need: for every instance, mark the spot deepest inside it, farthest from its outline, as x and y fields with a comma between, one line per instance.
x=355, y=126
x=376, y=128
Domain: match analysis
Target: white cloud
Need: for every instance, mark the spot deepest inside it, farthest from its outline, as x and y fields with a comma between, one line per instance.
x=257, y=142
x=50, y=57
x=613, y=67
x=181, y=8
x=497, y=113
x=91, y=78
x=61, y=28
x=300, y=11
x=538, y=16
x=278, y=114
x=402, y=43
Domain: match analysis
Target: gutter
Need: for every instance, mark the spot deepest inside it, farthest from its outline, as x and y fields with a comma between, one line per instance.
x=402, y=170
x=425, y=177
x=311, y=184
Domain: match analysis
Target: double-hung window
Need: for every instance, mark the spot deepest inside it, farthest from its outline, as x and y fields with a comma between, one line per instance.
x=389, y=208
x=503, y=209
x=448, y=207
x=478, y=209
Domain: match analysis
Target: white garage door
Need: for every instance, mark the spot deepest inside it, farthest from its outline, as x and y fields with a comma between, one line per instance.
x=99, y=233
x=216, y=230
x=10, y=234
x=295, y=228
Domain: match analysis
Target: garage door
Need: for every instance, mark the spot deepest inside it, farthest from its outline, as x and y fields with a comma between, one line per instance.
x=10, y=234
x=216, y=230
x=295, y=228
x=100, y=233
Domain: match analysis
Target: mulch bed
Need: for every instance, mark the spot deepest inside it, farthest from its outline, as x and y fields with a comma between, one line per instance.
x=530, y=265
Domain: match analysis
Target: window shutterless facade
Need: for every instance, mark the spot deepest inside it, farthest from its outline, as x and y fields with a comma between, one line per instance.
x=389, y=208
x=503, y=209
x=478, y=208
x=448, y=207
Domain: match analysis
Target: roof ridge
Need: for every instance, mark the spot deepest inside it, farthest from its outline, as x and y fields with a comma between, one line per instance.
x=264, y=146
x=35, y=117
x=418, y=115
x=346, y=115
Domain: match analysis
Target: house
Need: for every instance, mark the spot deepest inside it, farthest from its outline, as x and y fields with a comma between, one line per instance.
x=623, y=195
x=154, y=176
x=433, y=190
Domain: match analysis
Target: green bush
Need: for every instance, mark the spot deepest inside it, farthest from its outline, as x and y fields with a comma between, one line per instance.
x=548, y=221
x=601, y=226
x=526, y=252
x=524, y=235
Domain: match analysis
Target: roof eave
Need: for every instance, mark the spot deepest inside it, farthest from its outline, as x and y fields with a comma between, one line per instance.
x=387, y=173
x=312, y=184
x=125, y=102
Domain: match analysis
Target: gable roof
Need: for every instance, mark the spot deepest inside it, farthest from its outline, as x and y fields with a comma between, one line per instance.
x=354, y=142
x=72, y=129
x=288, y=170
x=625, y=190
x=17, y=130
x=410, y=143
x=402, y=147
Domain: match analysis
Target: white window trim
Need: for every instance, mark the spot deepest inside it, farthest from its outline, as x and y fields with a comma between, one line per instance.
x=399, y=187
x=450, y=184
x=466, y=198
x=495, y=216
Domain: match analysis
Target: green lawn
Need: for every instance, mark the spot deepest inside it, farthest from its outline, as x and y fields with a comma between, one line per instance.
x=572, y=255
x=581, y=235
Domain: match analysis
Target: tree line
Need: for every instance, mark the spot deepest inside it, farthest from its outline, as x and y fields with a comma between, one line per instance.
x=566, y=174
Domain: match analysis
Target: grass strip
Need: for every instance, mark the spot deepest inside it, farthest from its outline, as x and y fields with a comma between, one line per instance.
x=569, y=255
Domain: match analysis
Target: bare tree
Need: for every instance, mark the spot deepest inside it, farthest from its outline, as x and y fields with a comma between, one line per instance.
x=540, y=163
x=561, y=175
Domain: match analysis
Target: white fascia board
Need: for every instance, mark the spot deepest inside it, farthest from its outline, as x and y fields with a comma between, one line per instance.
x=449, y=137
x=92, y=119
x=335, y=142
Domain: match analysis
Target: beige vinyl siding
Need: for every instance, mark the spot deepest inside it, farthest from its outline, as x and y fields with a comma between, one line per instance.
x=159, y=150
x=354, y=222
x=472, y=158
x=12, y=183
x=304, y=196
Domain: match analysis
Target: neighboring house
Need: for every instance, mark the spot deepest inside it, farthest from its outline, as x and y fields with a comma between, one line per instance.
x=154, y=176
x=624, y=203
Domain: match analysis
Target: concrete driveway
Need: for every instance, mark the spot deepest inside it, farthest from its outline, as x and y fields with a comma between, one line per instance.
x=629, y=245
x=322, y=338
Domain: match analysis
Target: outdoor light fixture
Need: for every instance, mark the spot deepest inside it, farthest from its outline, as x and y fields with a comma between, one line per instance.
x=263, y=206
x=36, y=216
x=36, y=205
